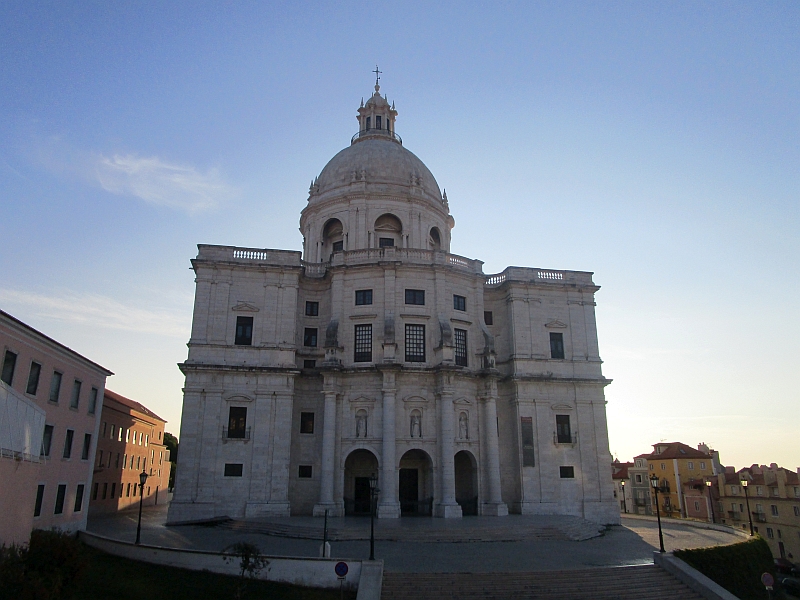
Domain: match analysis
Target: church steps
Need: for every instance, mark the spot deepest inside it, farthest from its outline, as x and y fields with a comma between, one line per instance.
x=645, y=582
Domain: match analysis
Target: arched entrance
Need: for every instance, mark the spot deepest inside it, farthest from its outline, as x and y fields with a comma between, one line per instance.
x=416, y=484
x=466, y=475
x=359, y=466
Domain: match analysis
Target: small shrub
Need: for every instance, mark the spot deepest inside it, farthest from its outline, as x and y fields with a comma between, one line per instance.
x=251, y=562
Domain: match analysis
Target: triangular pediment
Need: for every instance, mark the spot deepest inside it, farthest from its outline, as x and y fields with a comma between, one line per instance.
x=561, y=407
x=555, y=324
x=362, y=400
x=414, y=399
x=462, y=401
x=242, y=306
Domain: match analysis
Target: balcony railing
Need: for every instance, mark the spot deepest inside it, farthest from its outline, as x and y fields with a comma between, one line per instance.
x=376, y=133
x=760, y=517
x=565, y=439
x=734, y=514
x=235, y=434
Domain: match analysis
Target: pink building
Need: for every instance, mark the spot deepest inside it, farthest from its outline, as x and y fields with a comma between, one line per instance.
x=69, y=389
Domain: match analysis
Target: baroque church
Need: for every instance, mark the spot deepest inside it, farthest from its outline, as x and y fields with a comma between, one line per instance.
x=377, y=354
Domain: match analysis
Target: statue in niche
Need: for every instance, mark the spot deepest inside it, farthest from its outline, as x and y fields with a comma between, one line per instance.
x=361, y=424
x=463, y=426
x=416, y=424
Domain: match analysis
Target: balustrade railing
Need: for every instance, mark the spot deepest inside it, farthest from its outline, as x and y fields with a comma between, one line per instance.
x=377, y=133
x=235, y=434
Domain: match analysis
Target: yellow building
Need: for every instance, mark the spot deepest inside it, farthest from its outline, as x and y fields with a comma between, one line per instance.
x=678, y=468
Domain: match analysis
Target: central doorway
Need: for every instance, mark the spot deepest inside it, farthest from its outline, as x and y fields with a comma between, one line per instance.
x=416, y=484
x=361, y=496
x=359, y=466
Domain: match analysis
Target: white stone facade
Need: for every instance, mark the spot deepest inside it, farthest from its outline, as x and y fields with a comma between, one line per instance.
x=377, y=352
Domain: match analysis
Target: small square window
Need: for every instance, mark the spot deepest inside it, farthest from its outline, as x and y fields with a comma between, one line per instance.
x=304, y=472
x=566, y=472
x=556, y=345
x=386, y=242
x=309, y=364
x=310, y=337
x=233, y=470
x=312, y=309
x=33, y=378
x=338, y=246
x=459, y=303
x=415, y=297
x=244, y=331
x=9, y=362
x=488, y=318
x=306, y=422
x=363, y=297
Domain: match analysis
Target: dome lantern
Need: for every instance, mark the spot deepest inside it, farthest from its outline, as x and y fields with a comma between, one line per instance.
x=376, y=117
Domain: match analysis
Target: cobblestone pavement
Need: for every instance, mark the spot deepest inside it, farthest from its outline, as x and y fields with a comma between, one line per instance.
x=629, y=544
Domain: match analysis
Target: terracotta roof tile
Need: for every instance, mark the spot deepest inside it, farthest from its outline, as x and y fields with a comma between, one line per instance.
x=132, y=404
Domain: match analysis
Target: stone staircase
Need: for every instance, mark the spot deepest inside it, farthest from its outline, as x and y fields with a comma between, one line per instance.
x=645, y=582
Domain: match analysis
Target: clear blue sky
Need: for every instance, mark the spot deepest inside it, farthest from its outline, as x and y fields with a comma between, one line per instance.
x=653, y=144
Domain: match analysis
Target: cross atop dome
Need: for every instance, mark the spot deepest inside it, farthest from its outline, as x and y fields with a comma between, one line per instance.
x=376, y=117
x=377, y=78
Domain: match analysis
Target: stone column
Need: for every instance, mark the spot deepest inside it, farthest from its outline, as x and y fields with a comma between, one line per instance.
x=278, y=504
x=494, y=505
x=447, y=507
x=328, y=455
x=388, y=505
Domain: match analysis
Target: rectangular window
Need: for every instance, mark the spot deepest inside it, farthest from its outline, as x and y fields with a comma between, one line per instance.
x=33, y=378
x=304, y=472
x=9, y=363
x=233, y=469
x=105, y=491
x=121, y=429
x=363, y=297
x=76, y=394
x=638, y=478
x=697, y=506
x=128, y=491
x=60, y=495
x=87, y=446
x=369, y=123
x=306, y=422
x=93, y=400
x=385, y=242
x=47, y=440
x=563, y=429
x=113, y=430
x=37, y=509
x=691, y=466
x=363, y=345
x=415, y=342
x=135, y=487
x=55, y=387
x=244, y=331
x=310, y=337
x=113, y=490
x=796, y=511
x=459, y=303
x=338, y=246
x=312, y=309
x=378, y=124
x=415, y=297
x=94, y=492
x=460, y=340
x=759, y=490
x=237, y=420
x=68, y=443
x=566, y=472
x=488, y=317
x=770, y=533
x=309, y=364
x=702, y=465
x=774, y=509
x=556, y=345
x=116, y=462
x=528, y=456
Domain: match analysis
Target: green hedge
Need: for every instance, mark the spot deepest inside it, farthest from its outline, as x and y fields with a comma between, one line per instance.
x=737, y=568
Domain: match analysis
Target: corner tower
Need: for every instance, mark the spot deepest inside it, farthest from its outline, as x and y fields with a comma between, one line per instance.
x=374, y=194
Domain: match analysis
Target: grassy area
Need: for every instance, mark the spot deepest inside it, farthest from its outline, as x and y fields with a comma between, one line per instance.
x=113, y=578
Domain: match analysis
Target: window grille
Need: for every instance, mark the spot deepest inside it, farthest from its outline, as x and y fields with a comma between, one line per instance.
x=363, y=345
x=415, y=342
x=460, y=338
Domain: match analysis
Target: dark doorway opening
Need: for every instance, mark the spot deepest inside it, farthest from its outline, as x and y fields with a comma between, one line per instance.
x=361, y=496
x=409, y=491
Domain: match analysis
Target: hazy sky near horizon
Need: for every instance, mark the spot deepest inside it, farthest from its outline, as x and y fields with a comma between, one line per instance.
x=656, y=145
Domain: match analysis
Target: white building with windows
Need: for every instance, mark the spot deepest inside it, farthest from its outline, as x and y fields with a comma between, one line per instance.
x=376, y=351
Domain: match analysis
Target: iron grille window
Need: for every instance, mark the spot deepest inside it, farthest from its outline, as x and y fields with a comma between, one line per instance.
x=460, y=338
x=9, y=362
x=386, y=242
x=415, y=297
x=363, y=297
x=363, y=346
x=306, y=422
x=488, y=318
x=556, y=345
x=237, y=420
x=563, y=432
x=33, y=378
x=312, y=309
x=459, y=302
x=231, y=470
x=304, y=472
x=567, y=472
x=415, y=341
x=310, y=337
x=244, y=331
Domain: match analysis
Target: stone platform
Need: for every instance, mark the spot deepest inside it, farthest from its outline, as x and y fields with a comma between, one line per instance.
x=513, y=528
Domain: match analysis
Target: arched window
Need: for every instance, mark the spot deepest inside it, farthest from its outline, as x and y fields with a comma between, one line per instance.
x=388, y=231
x=435, y=239
x=333, y=236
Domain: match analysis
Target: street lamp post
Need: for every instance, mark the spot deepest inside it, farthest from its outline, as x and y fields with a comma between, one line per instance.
x=142, y=479
x=654, y=484
x=710, y=501
x=747, y=499
x=624, y=503
x=373, y=491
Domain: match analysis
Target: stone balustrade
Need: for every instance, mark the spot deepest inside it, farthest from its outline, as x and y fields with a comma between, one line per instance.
x=533, y=275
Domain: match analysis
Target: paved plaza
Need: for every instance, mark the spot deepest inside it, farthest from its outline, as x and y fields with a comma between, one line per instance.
x=487, y=544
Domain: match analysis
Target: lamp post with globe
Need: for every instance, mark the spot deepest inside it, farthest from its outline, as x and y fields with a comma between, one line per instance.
x=654, y=484
x=142, y=480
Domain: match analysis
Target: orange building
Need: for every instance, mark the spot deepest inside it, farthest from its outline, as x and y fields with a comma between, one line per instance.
x=131, y=440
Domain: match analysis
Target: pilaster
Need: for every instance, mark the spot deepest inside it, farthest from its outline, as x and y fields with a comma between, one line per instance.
x=388, y=505
x=328, y=450
x=447, y=506
x=494, y=504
